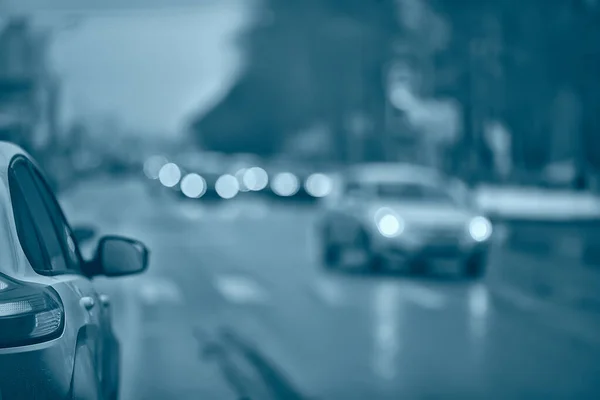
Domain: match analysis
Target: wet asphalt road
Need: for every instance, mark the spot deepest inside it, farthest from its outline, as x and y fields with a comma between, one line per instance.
x=235, y=304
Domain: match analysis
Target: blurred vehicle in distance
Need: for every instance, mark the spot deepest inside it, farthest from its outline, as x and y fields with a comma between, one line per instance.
x=299, y=182
x=200, y=173
x=56, y=337
x=387, y=215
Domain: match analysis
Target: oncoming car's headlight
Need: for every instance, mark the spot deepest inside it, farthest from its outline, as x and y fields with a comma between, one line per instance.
x=480, y=229
x=389, y=224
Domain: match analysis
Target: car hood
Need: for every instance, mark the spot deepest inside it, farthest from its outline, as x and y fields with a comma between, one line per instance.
x=428, y=215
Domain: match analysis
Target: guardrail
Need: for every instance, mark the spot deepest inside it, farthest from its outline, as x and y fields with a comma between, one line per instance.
x=555, y=223
x=550, y=245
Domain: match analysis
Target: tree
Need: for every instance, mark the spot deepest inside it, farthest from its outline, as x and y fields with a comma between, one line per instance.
x=513, y=59
x=309, y=62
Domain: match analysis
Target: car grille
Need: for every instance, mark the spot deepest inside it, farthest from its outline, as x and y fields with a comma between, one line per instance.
x=441, y=233
x=444, y=240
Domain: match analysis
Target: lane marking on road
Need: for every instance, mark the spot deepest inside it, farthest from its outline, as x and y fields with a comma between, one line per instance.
x=192, y=212
x=423, y=296
x=155, y=290
x=388, y=313
x=328, y=291
x=128, y=328
x=240, y=289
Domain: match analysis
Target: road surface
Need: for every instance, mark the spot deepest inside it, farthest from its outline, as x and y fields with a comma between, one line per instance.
x=236, y=306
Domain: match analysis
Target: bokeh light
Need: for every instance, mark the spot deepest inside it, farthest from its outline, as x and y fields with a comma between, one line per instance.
x=193, y=186
x=256, y=179
x=169, y=175
x=239, y=175
x=318, y=185
x=480, y=229
x=153, y=165
x=285, y=184
x=388, y=223
x=227, y=186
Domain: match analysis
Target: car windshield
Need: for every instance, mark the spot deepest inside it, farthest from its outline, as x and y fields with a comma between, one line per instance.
x=402, y=191
x=413, y=192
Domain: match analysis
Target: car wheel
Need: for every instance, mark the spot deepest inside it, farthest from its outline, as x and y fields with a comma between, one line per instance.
x=474, y=266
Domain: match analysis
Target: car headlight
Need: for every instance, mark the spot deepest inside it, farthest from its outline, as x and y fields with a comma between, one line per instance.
x=480, y=229
x=389, y=224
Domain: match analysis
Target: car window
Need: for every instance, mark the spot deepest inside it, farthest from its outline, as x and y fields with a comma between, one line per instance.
x=27, y=231
x=414, y=192
x=63, y=230
x=34, y=219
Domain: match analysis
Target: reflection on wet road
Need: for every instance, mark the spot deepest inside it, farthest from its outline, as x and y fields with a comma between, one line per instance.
x=235, y=304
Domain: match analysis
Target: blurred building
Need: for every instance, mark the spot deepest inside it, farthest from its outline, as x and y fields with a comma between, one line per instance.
x=28, y=91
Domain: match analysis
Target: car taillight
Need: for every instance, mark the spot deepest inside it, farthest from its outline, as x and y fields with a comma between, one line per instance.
x=29, y=314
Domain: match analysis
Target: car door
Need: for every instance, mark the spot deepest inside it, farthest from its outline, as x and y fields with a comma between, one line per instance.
x=62, y=260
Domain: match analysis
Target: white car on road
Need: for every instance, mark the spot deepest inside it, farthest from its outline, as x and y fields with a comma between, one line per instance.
x=413, y=215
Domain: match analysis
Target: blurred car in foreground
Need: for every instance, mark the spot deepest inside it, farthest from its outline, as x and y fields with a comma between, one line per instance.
x=56, y=338
x=393, y=214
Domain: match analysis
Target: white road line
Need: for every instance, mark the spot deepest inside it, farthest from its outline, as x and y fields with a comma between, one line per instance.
x=240, y=289
x=130, y=332
x=329, y=292
x=191, y=212
x=423, y=296
x=388, y=316
x=154, y=290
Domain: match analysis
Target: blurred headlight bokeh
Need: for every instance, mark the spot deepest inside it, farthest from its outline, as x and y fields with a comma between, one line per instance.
x=169, y=175
x=318, y=185
x=480, y=229
x=285, y=184
x=193, y=186
x=153, y=165
x=255, y=179
x=388, y=223
x=227, y=186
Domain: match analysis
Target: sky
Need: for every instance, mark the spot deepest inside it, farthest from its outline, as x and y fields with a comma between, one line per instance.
x=149, y=64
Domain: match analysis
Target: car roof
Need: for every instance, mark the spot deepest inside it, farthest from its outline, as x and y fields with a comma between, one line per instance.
x=393, y=172
x=7, y=152
x=7, y=243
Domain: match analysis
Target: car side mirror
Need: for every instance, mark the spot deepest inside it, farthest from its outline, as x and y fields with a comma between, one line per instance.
x=83, y=234
x=118, y=256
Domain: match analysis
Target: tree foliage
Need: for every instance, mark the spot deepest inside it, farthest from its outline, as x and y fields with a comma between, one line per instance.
x=309, y=61
x=512, y=60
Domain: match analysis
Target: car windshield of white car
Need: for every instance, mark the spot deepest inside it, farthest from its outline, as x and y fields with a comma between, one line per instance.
x=414, y=192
